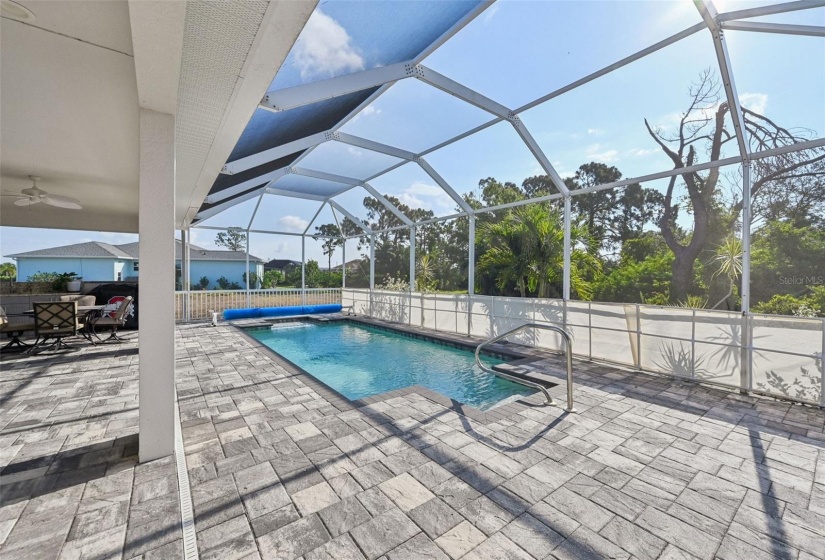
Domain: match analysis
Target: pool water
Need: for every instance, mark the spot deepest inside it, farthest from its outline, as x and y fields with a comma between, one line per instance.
x=360, y=361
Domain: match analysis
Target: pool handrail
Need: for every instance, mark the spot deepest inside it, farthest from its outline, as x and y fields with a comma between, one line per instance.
x=568, y=339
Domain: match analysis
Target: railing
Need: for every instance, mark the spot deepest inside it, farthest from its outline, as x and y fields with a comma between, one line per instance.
x=766, y=354
x=196, y=305
x=568, y=340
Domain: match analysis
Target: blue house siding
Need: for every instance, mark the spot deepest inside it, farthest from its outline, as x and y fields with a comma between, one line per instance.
x=90, y=269
x=106, y=270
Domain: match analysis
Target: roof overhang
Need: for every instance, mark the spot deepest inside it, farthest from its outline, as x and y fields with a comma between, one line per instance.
x=75, y=79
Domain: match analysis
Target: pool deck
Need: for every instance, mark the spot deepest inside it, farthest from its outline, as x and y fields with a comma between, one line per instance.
x=282, y=467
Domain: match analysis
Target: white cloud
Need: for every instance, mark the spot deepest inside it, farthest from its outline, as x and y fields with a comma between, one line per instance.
x=595, y=131
x=353, y=151
x=426, y=196
x=597, y=153
x=367, y=111
x=325, y=49
x=756, y=102
x=642, y=152
x=293, y=223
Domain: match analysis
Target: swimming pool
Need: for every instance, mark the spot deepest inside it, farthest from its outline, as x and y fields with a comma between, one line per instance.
x=360, y=361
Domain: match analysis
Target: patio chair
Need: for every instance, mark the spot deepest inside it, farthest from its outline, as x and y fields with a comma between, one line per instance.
x=55, y=320
x=14, y=330
x=116, y=320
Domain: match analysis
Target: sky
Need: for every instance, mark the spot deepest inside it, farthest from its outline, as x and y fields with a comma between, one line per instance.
x=514, y=52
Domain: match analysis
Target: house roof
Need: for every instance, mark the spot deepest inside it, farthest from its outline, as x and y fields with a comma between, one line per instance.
x=281, y=263
x=99, y=249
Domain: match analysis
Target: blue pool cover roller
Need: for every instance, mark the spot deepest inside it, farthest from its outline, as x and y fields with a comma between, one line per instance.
x=258, y=312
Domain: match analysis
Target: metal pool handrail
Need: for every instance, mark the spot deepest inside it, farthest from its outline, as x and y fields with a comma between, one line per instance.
x=568, y=339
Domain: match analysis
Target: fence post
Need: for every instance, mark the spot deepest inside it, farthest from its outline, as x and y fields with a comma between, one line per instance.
x=638, y=336
x=590, y=330
x=303, y=270
x=822, y=369
x=746, y=354
x=248, y=275
x=693, y=345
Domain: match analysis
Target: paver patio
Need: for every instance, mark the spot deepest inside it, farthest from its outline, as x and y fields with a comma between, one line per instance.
x=282, y=467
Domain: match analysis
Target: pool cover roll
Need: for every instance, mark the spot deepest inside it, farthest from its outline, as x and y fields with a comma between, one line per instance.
x=259, y=312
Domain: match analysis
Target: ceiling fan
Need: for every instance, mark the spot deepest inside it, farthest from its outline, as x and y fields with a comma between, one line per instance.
x=36, y=195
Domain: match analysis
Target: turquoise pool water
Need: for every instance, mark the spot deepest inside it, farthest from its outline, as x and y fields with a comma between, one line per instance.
x=359, y=361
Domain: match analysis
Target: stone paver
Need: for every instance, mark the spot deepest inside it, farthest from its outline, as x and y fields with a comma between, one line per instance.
x=282, y=467
x=70, y=482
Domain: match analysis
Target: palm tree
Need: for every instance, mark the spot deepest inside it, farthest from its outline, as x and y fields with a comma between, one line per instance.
x=527, y=247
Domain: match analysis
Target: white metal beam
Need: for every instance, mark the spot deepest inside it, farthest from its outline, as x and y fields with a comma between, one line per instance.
x=537, y=152
x=306, y=94
x=293, y=194
x=616, y=65
x=314, y=217
x=780, y=8
x=346, y=213
x=483, y=102
x=709, y=15
x=218, y=208
x=781, y=28
x=444, y=185
x=255, y=212
x=371, y=145
x=323, y=176
x=259, y=181
x=389, y=205
x=248, y=162
x=447, y=85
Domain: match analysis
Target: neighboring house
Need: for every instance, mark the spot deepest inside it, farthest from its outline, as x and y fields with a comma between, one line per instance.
x=96, y=261
x=282, y=265
x=352, y=266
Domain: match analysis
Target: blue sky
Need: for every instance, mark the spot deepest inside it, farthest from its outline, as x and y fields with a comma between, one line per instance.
x=514, y=52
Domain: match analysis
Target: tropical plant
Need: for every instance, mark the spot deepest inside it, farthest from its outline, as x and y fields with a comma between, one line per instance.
x=425, y=274
x=8, y=270
x=527, y=249
x=728, y=262
x=693, y=302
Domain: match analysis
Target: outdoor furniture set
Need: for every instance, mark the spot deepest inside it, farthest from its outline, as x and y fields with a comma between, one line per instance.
x=55, y=321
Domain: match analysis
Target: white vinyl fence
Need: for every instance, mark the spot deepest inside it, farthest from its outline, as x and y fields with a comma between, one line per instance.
x=202, y=302
x=777, y=355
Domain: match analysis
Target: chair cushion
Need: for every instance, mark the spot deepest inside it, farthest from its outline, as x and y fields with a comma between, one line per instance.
x=16, y=327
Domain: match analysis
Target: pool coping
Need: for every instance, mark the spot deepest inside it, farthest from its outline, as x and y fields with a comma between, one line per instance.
x=342, y=403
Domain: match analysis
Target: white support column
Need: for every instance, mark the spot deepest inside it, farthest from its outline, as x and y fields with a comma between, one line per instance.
x=567, y=250
x=372, y=269
x=372, y=262
x=412, y=259
x=187, y=249
x=344, y=265
x=746, y=236
x=471, y=272
x=157, y=290
x=471, y=262
x=303, y=270
x=248, y=275
x=184, y=266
